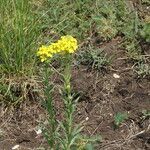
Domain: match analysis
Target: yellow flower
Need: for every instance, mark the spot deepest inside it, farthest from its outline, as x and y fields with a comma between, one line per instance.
x=67, y=44
x=54, y=48
x=44, y=53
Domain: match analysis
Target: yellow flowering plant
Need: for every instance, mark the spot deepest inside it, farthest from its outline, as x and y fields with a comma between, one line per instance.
x=61, y=135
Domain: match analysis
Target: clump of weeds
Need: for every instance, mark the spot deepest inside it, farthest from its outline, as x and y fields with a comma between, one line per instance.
x=94, y=58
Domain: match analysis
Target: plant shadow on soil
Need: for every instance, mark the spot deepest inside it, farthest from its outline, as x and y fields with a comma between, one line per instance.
x=101, y=97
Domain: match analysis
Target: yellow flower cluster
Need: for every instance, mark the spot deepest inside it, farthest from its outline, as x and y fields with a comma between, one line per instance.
x=67, y=44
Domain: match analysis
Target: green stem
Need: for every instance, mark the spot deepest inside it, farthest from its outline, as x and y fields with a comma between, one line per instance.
x=69, y=106
x=49, y=105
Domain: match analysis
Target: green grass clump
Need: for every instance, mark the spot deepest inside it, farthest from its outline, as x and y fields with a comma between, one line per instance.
x=146, y=2
x=119, y=118
x=67, y=17
x=105, y=19
x=145, y=114
x=94, y=58
x=18, y=35
x=83, y=18
x=145, y=32
x=142, y=69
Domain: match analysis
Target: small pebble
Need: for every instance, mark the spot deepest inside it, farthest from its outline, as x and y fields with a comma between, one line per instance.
x=111, y=114
x=87, y=118
x=15, y=147
x=39, y=131
x=116, y=76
